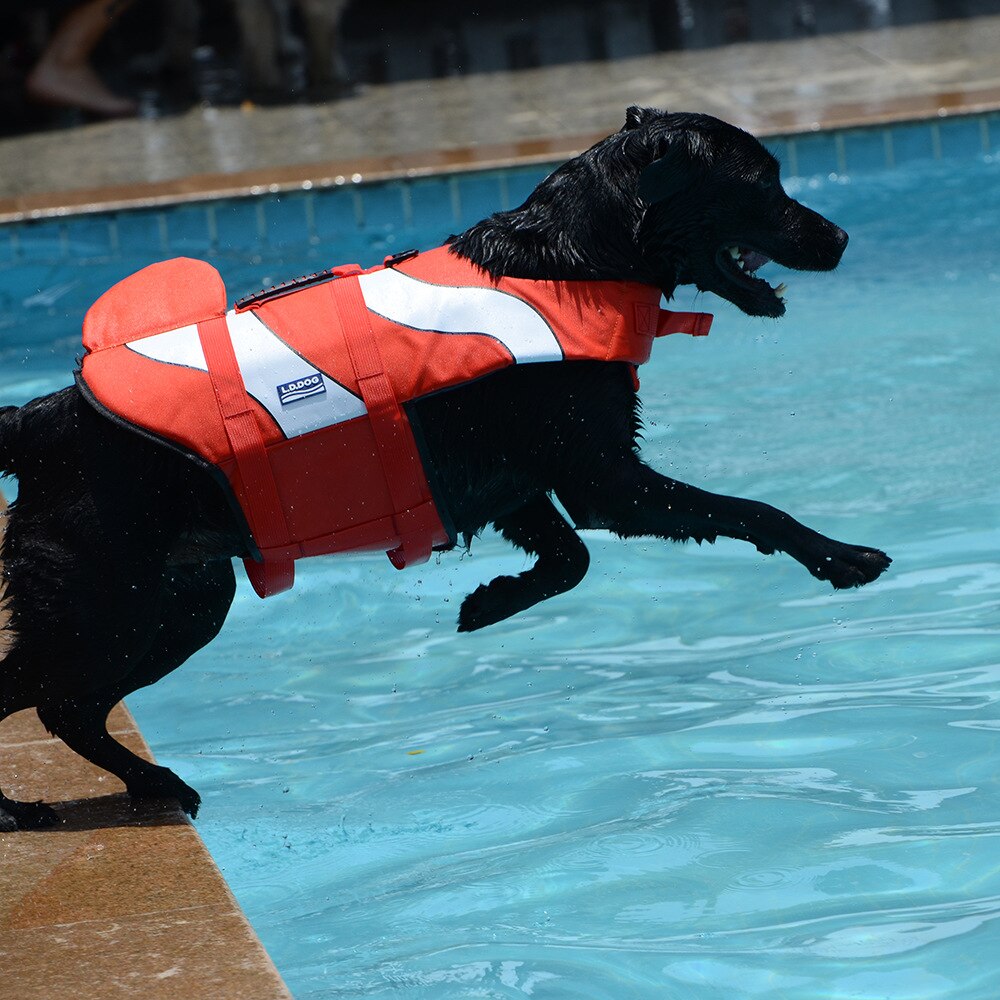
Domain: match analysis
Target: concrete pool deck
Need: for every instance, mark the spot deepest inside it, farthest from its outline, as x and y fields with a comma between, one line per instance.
x=115, y=902
x=831, y=81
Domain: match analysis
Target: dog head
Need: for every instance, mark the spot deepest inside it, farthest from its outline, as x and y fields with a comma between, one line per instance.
x=669, y=199
x=716, y=211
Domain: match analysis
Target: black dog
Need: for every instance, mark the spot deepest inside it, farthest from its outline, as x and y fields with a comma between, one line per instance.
x=118, y=555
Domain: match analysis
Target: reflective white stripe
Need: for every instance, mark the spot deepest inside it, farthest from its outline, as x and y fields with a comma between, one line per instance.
x=446, y=309
x=175, y=347
x=266, y=362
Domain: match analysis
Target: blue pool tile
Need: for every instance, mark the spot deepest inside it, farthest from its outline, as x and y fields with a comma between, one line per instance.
x=335, y=212
x=519, y=182
x=431, y=208
x=188, y=229
x=961, y=137
x=8, y=243
x=377, y=246
x=38, y=289
x=44, y=240
x=990, y=126
x=912, y=142
x=239, y=224
x=91, y=236
x=479, y=195
x=287, y=220
x=382, y=206
x=142, y=233
x=815, y=154
x=865, y=150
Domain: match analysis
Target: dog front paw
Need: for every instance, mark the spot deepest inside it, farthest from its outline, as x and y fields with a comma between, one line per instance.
x=162, y=783
x=847, y=566
x=490, y=603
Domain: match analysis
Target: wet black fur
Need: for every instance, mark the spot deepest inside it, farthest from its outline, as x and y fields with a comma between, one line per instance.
x=118, y=554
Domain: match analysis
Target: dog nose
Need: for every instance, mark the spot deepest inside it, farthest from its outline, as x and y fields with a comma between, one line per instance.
x=840, y=238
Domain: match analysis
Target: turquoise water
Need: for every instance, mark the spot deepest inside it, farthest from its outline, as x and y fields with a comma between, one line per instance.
x=701, y=774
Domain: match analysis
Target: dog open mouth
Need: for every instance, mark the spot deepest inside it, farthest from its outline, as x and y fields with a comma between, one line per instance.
x=738, y=265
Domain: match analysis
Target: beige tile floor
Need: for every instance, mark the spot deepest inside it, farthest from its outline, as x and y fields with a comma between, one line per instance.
x=116, y=903
x=833, y=80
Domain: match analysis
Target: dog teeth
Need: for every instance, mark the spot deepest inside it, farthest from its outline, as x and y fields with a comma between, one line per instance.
x=734, y=252
x=781, y=290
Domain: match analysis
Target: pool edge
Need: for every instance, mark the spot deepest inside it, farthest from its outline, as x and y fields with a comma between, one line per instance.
x=336, y=173
x=113, y=898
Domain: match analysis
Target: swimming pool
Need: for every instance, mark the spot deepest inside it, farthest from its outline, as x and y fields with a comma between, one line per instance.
x=701, y=774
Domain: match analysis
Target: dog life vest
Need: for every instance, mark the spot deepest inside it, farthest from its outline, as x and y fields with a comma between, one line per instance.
x=295, y=398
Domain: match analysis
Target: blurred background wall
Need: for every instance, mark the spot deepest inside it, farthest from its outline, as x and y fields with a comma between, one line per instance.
x=169, y=54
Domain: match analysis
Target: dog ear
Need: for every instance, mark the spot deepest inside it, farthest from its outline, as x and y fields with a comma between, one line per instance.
x=636, y=117
x=665, y=176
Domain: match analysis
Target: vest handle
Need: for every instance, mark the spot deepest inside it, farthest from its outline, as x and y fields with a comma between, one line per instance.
x=695, y=324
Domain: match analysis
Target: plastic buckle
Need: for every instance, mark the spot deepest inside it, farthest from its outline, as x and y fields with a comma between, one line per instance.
x=398, y=258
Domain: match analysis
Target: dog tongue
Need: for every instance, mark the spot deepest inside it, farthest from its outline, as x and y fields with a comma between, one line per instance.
x=752, y=259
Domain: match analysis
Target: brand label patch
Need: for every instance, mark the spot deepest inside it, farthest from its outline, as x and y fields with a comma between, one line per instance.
x=301, y=388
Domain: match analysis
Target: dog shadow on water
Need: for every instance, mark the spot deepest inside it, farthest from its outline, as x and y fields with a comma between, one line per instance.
x=118, y=554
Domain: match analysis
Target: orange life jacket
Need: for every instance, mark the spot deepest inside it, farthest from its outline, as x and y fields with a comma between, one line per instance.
x=296, y=394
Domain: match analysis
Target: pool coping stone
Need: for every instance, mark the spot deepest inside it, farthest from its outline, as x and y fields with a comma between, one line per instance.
x=116, y=900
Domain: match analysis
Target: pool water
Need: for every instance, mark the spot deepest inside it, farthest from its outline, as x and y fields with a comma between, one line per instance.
x=702, y=773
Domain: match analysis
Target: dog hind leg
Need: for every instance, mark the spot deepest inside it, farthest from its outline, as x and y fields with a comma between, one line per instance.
x=16, y=815
x=637, y=500
x=562, y=562
x=193, y=610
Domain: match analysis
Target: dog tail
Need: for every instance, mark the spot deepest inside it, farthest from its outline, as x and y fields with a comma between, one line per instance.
x=6, y=633
x=8, y=435
x=8, y=432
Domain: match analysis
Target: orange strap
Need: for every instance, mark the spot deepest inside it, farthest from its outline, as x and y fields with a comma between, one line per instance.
x=667, y=322
x=260, y=492
x=696, y=324
x=414, y=513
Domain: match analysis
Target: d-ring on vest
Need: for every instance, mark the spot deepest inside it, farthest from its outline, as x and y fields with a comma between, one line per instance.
x=295, y=398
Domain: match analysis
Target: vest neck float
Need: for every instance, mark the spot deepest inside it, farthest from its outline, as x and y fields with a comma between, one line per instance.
x=295, y=398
